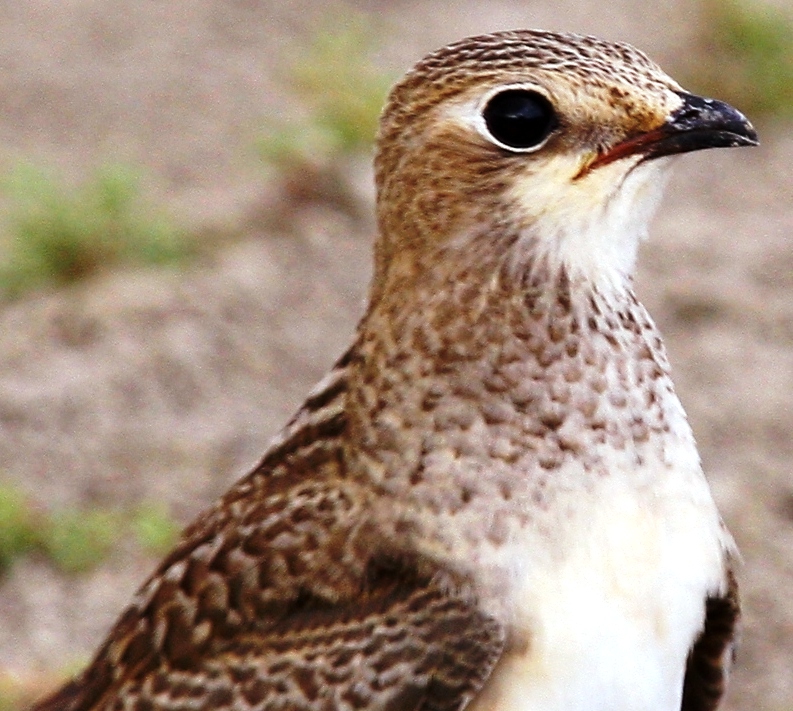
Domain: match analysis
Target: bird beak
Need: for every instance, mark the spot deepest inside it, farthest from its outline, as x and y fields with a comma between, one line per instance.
x=699, y=123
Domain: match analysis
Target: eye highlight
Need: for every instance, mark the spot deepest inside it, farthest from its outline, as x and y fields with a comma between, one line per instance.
x=519, y=119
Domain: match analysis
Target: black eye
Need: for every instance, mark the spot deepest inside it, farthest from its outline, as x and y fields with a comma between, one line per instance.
x=519, y=118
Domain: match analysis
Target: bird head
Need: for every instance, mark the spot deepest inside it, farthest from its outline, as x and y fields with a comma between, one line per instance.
x=537, y=147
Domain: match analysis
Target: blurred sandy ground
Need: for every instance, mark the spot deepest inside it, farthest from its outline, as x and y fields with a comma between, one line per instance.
x=167, y=386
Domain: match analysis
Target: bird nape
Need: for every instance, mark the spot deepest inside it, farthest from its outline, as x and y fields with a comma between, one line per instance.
x=494, y=500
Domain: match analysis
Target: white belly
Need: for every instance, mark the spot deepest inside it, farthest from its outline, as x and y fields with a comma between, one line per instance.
x=605, y=621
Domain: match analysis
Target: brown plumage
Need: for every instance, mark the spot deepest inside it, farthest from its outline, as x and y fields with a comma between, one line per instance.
x=494, y=497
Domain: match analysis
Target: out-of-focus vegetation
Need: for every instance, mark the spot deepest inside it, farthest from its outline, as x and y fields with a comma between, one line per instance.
x=76, y=541
x=18, y=526
x=343, y=91
x=746, y=56
x=56, y=235
x=155, y=529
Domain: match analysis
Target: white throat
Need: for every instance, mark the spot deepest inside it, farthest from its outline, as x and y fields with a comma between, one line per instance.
x=592, y=226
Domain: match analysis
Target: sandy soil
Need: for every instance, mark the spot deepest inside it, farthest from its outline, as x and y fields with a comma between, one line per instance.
x=159, y=385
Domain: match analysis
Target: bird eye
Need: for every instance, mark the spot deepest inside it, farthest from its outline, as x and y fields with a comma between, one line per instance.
x=519, y=119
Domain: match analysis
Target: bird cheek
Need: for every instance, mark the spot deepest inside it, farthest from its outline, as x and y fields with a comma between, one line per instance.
x=538, y=191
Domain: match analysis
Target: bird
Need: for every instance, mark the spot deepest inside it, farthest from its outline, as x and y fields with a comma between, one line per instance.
x=493, y=500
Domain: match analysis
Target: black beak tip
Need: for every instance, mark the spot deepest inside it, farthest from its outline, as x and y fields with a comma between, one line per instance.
x=708, y=123
x=747, y=138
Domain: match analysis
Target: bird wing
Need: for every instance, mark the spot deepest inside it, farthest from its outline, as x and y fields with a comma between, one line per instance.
x=284, y=597
x=711, y=656
x=407, y=647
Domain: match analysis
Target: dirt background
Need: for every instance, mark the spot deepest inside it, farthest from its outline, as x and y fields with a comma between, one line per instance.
x=162, y=385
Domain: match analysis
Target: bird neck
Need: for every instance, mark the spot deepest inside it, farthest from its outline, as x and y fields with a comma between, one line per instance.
x=461, y=373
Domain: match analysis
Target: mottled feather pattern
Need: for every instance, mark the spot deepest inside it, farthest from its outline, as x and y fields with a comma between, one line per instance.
x=279, y=597
x=398, y=648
